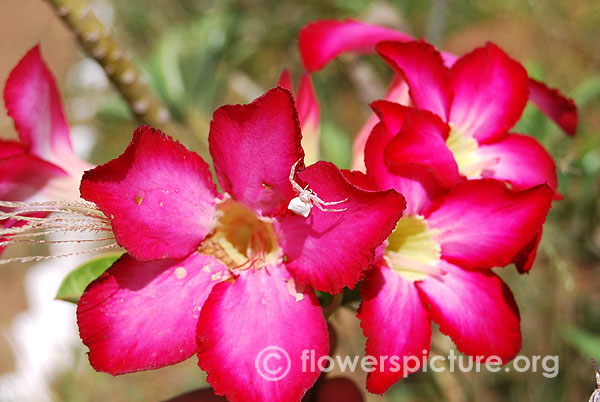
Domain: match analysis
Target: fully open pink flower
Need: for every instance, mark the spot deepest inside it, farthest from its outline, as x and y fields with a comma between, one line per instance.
x=225, y=276
x=481, y=97
x=41, y=165
x=437, y=262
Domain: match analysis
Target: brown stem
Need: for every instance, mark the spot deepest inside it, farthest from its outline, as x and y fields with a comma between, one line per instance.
x=116, y=62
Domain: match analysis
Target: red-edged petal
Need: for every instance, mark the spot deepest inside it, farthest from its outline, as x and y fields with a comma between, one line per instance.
x=526, y=257
x=260, y=324
x=422, y=141
x=360, y=179
x=422, y=66
x=476, y=309
x=396, y=324
x=33, y=101
x=322, y=41
x=555, y=105
x=313, y=245
x=143, y=315
x=415, y=182
x=285, y=80
x=398, y=94
x=23, y=175
x=522, y=161
x=391, y=114
x=483, y=224
x=254, y=147
x=159, y=196
x=307, y=104
x=310, y=118
x=490, y=93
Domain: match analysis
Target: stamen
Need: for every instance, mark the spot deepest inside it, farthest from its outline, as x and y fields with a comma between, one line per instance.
x=475, y=169
x=39, y=241
x=404, y=263
x=63, y=216
x=51, y=204
x=39, y=258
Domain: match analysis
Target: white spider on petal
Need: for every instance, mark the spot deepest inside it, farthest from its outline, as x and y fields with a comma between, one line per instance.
x=303, y=203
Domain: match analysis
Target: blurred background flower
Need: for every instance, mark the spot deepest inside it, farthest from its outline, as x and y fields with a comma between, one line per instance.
x=198, y=55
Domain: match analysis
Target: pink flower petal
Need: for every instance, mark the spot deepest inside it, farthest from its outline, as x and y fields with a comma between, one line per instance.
x=422, y=141
x=312, y=245
x=423, y=67
x=398, y=94
x=143, y=315
x=395, y=323
x=285, y=80
x=360, y=179
x=526, y=257
x=307, y=104
x=33, y=101
x=159, y=196
x=22, y=175
x=483, y=224
x=322, y=41
x=11, y=148
x=254, y=147
x=555, y=105
x=490, y=93
x=415, y=182
x=522, y=161
x=241, y=319
x=476, y=309
x=391, y=114
x=310, y=118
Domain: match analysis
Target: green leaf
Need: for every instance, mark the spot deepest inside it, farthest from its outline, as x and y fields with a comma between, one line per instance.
x=587, y=91
x=77, y=280
x=586, y=343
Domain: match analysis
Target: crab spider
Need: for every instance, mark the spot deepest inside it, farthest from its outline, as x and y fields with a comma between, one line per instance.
x=303, y=203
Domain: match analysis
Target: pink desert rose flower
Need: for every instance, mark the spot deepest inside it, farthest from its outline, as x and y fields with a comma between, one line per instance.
x=225, y=275
x=480, y=97
x=437, y=263
x=41, y=165
x=320, y=42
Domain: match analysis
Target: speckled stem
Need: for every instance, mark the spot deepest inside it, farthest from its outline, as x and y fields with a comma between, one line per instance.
x=116, y=62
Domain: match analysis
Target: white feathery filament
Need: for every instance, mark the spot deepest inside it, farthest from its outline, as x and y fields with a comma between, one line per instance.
x=62, y=216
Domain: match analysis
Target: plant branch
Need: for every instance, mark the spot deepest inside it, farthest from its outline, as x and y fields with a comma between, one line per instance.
x=116, y=62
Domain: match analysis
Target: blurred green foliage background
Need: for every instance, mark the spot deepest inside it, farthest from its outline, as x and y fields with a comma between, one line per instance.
x=198, y=55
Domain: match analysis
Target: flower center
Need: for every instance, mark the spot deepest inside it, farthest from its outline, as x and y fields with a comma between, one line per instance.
x=464, y=148
x=412, y=250
x=241, y=239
